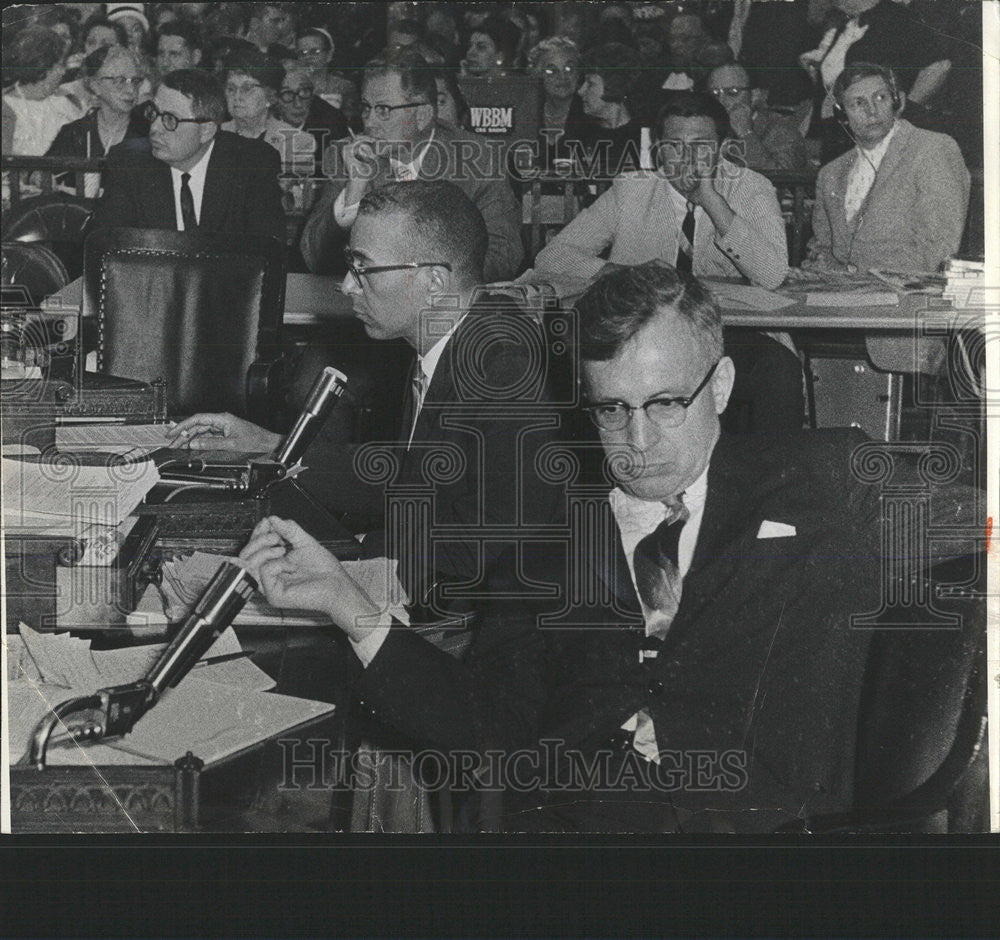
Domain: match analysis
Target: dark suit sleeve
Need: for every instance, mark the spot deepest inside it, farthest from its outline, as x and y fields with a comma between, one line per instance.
x=117, y=207
x=264, y=213
x=502, y=214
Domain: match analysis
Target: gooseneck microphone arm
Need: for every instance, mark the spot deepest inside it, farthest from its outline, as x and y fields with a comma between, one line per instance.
x=113, y=711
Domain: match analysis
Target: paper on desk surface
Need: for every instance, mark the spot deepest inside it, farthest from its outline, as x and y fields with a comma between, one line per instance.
x=729, y=294
x=64, y=494
x=133, y=440
x=215, y=711
x=185, y=578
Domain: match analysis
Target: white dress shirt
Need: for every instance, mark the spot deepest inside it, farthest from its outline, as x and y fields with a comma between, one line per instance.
x=637, y=518
x=196, y=184
x=862, y=176
x=345, y=215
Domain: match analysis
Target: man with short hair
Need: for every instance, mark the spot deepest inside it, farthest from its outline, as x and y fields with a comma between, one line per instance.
x=194, y=175
x=403, y=141
x=270, y=23
x=298, y=105
x=898, y=199
x=770, y=141
x=414, y=267
x=178, y=47
x=698, y=671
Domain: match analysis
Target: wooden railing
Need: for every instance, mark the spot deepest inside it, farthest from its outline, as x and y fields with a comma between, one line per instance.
x=41, y=173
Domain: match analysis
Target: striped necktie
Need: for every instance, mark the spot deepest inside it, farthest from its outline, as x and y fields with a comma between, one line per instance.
x=658, y=576
x=685, y=244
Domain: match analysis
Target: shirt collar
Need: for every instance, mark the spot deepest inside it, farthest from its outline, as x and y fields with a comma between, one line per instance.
x=878, y=151
x=413, y=167
x=644, y=514
x=429, y=361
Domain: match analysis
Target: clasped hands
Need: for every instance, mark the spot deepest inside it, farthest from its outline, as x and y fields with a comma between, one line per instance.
x=295, y=572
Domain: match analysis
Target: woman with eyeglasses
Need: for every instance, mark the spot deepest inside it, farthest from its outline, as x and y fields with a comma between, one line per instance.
x=33, y=109
x=113, y=76
x=252, y=82
x=315, y=48
x=556, y=61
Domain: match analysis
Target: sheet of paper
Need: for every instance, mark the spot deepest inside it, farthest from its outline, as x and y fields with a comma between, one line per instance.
x=57, y=494
x=131, y=440
x=850, y=298
x=727, y=294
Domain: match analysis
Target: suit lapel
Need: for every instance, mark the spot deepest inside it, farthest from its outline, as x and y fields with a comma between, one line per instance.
x=159, y=204
x=898, y=147
x=218, y=186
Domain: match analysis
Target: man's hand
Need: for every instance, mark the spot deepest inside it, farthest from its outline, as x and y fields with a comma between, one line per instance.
x=222, y=432
x=361, y=163
x=741, y=119
x=297, y=573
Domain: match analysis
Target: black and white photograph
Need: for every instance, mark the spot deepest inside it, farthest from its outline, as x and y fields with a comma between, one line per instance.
x=472, y=419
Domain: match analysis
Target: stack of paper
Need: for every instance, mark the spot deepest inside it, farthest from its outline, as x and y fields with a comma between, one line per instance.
x=966, y=283
x=130, y=440
x=216, y=710
x=67, y=495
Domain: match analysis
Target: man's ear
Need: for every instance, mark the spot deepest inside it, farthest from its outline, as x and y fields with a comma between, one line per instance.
x=902, y=102
x=722, y=383
x=207, y=131
x=758, y=98
x=426, y=114
x=439, y=281
x=196, y=55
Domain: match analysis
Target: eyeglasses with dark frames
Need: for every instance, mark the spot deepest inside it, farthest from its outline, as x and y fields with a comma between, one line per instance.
x=121, y=81
x=731, y=91
x=359, y=271
x=382, y=111
x=288, y=95
x=664, y=412
x=170, y=120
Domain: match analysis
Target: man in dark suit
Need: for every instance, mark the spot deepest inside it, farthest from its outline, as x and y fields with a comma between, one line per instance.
x=403, y=141
x=699, y=670
x=194, y=175
x=475, y=411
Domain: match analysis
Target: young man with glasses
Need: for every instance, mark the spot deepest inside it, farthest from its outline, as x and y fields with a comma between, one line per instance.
x=403, y=141
x=194, y=175
x=770, y=141
x=476, y=394
x=708, y=217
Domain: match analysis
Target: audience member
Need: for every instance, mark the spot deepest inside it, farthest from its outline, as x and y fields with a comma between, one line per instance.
x=33, y=108
x=252, y=81
x=113, y=74
x=315, y=48
x=270, y=23
x=178, y=46
x=493, y=46
x=708, y=217
x=402, y=140
x=133, y=21
x=195, y=176
x=769, y=141
x=300, y=107
x=403, y=33
x=897, y=200
x=610, y=73
x=874, y=31
x=698, y=209
x=101, y=31
x=452, y=109
x=556, y=61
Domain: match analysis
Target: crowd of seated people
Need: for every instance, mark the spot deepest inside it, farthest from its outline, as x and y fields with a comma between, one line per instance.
x=722, y=622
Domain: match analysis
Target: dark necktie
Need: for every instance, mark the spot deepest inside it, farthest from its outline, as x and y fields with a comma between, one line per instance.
x=657, y=575
x=685, y=244
x=416, y=388
x=187, y=204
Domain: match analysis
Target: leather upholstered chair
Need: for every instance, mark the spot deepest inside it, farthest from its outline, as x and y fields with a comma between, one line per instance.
x=201, y=311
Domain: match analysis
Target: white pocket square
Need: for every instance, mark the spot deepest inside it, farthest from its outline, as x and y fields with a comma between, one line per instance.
x=775, y=530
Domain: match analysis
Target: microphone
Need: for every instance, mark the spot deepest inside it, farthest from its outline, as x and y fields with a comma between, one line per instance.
x=327, y=388
x=112, y=712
